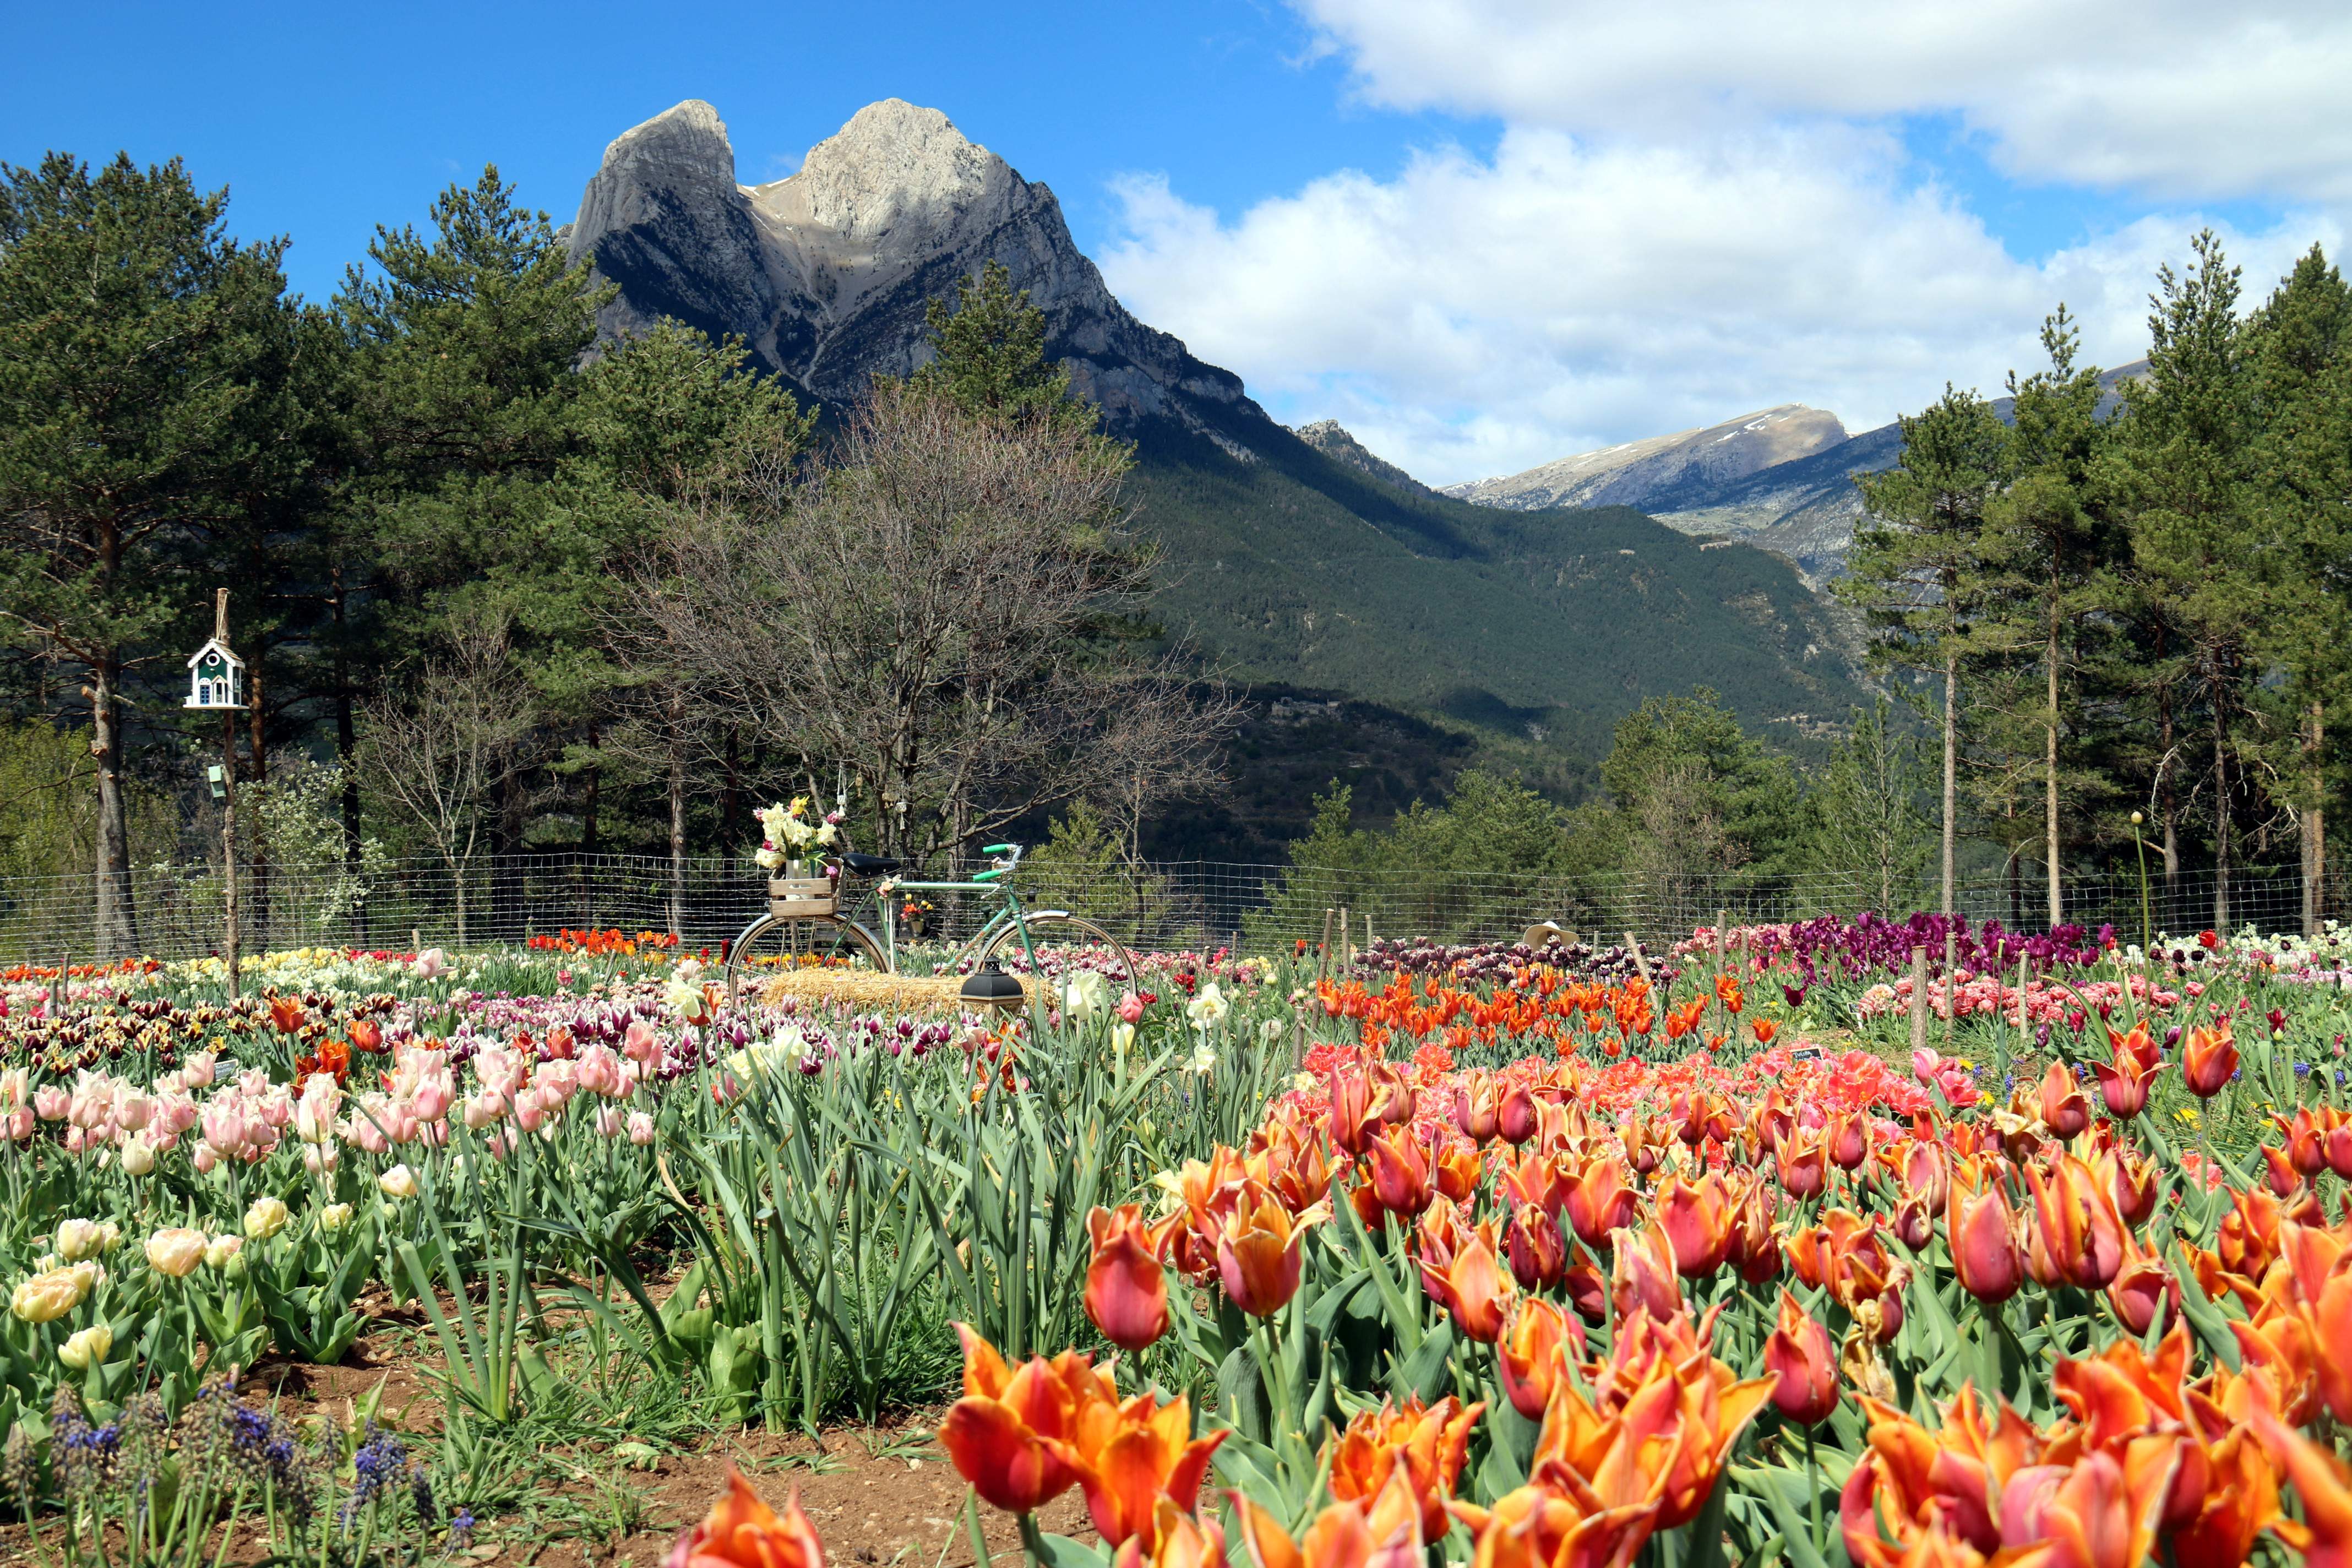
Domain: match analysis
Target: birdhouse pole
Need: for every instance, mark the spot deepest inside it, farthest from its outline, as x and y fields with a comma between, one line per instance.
x=228, y=804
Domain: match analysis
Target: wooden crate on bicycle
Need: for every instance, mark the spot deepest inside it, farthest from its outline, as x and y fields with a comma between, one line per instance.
x=800, y=897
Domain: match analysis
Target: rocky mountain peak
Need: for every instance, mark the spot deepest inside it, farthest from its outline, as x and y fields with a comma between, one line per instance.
x=1334, y=441
x=826, y=274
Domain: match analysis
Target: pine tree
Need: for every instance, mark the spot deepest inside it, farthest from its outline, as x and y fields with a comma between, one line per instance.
x=1864, y=813
x=2300, y=354
x=989, y=354
x=1916, y=560
x=464, y=352
x=139, y=346
x=2045, y=553
x=2178, y=473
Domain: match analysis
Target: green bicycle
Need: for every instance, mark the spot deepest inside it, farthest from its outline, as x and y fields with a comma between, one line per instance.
x=828, y=932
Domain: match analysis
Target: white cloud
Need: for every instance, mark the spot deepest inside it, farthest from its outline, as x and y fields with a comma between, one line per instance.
x=2181, y=99
x=1698, y=212
x=1478, y=316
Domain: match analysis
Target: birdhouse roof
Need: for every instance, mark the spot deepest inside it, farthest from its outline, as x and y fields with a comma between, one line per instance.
x=213, y=644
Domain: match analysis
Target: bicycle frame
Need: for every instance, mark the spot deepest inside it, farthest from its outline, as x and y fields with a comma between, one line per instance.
x=1004, y=892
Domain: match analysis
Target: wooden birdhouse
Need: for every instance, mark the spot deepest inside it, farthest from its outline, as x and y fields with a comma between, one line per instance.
x=217, y=676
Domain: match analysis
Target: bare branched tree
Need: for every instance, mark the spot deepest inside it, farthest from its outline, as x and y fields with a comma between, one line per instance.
x=436, y=741
x=943, y=606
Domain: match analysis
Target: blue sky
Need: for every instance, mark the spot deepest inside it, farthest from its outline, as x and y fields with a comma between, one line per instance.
x=1483, y=233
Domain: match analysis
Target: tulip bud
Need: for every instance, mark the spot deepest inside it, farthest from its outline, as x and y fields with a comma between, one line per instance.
x=1803, y=1358
x=1515, y=1119
x=1985, y=1256
x=1126, y=1290
x=2063, y=1110
x=222, y=1250
x=264, y=1218
x=334, y=1216
x=1533, y=1350
x=400, y=1182
x=78, y=1239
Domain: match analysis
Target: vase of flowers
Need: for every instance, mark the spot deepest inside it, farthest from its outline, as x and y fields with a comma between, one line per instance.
x=916, y=915
x=794, y=850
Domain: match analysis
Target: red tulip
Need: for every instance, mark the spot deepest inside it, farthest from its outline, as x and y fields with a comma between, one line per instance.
x=1802, y=1356
x=1697, y=1218
x=1985, y=1252
x=1802, y=1164
x=1477, y=1108
x=1515, y=1119
x=1127, y=1290
x=1400, y=1172
x=1848, y=1142
x=1010, y=1435
x=1538, y=1257
x=1352, y=1115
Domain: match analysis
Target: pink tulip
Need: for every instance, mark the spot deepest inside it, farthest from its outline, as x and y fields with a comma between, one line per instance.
x=608, y=1121
x=223, y=1126
x=483, y=1109
x=51, y=1103
x=433, y=1097
x=197, y=1071
x=205, y=1159
x=528, y=1112
x=638, y=1043
x=74, y=1139
x=18, y=1124
x=1130, y=1008
x=16, y=1085
x=641, y=1127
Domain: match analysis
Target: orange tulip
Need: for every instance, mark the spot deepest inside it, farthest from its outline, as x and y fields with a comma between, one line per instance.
x=2336, y=1141
x=2063, y=1110
x=1457, y=1170
x=1176, y=1539
x=2303, y=1144
x=1529, y=1357
x=1010, y=1435
x=2078, y=1238
x=1926, y=1173
x=1697, y=1220
x=2250, y=1234
x=1601, y=1199
x=1471, y=1286
x=2123, y=1083
x=1258, y=1259
x=1984, y=1232
x=1534, y=1180
x=1847, y=1138
x=1515, y=1119
x=2207, y=1060
x=1141, y=1455
x=1127, y=1290
x=1426, y=1444
x=1755, y=1248
x=1559, y=1523
x=2324, y=1534
x=1802, y=1356
x=1765, y=1029
x=1386, y=1534
x=742, y=1532
x=1644, y=1276
x=2137, y=1294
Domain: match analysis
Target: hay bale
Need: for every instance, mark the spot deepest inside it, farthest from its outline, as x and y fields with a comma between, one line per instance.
x=864, y=988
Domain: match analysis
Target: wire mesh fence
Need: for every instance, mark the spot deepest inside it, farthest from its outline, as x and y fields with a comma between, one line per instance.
x=402, y=905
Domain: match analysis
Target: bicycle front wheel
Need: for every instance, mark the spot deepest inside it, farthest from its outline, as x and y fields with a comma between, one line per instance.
x=772, y=946
x=1061, y=928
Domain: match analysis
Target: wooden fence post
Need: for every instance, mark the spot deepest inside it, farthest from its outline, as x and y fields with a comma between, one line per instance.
x=1918, y=997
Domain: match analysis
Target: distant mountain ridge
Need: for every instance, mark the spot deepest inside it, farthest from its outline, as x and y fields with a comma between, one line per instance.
x=1292, y=559
x=1641, y=473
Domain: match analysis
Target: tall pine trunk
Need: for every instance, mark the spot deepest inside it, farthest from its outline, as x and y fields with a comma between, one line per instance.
x=2050, y=766
x=677, y=815
x=347, y=748
x=116, y=924
x=2315, y=820
x=1951, y=771
x=2221, y=814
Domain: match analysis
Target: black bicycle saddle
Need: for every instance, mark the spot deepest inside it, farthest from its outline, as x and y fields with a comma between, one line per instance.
x=869, y=865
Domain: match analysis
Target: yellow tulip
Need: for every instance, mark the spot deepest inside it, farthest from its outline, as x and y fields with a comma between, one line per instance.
x=87, y=1347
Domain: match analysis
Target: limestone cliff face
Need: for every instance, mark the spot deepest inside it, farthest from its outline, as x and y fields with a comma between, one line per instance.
x=1334, y=441
x=826, y=273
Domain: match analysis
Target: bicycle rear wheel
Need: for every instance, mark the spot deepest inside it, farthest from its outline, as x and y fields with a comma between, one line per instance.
x=1064, y=929
x=770, y=945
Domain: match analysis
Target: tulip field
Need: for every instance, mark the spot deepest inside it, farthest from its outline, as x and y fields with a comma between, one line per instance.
x=1735, y=1252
